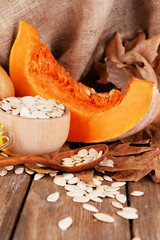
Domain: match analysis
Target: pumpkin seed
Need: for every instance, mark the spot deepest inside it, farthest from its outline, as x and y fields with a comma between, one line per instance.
x=100, y=153
x=53, y=174
x=53, y=197
x=81, y=185
x=117, y=204
x=90, y=208
x=76, y=193
x=106, y=163
x=29, y=171
x=137, y=193
x=73, y=180
x=136, y=238
x=38, y=176
x=131, y=209
x=104, y=217
x=93, y=152
x=19, y=170
x=81, y=199
x=95, y=199
x=107, y=178
x=96, y=181
x=59, y=180
x=9, y=168
x=118, y=184
x=3, y=171
x=121, y=198
x=69, y=187
x=65, y=223
x=32, y=107
x=127, y=214
x=109, y=194
x=82, y=153
x=68, y=176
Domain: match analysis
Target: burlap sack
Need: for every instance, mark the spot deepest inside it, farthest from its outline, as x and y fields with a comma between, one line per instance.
x=77, y=31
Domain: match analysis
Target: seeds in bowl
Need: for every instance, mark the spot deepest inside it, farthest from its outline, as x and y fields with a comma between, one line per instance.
x=32, y=107
x=83, y=156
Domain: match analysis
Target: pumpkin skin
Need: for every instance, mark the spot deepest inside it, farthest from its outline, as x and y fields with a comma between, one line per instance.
x=95, y=117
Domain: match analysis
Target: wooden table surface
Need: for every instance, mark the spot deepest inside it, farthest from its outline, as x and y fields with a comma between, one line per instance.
x=26, y=215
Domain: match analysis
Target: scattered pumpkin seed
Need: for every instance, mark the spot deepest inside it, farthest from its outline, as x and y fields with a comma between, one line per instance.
x=3, y=171
x=90, y=207
x=53, y=197
x=73, y=180
x=65, y=223
x=131, y=209
x=82, y=153
x=127, y=214
x=118, y=184
x=19, y=170
x=117, y=204
x=29, y=171
x=59, y=180
x=107, y=178
x=32, y=107
x=104, y=217
x=75, y=193
x=38, y=176
x=137, y=193
x=82, y=199
x=9, y=168
x=121, y=198
x=96, y=199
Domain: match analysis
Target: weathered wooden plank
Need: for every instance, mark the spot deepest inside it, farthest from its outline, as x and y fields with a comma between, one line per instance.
x=147, y=225
x=39, y=218
x=12, y=193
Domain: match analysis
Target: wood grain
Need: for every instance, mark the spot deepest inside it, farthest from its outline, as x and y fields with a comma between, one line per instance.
x=12, y=193
x=39, y=219
x=147, y=225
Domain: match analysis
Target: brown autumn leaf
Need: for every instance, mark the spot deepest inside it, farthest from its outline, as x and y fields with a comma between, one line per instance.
x=101, y=70
x=128, y=149
x=138, y=66
x=134, y=167
x=130, y=175
x=139, y=57
x=130, y=44
x=86, y=176
x=115, y=47
x=148, y=48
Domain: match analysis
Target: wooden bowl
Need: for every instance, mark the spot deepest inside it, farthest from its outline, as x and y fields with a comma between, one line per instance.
x=36, y=135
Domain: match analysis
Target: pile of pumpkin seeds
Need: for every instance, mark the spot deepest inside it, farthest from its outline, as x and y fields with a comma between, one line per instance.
x=82, y=192
x=32, y=107
x=83, y=156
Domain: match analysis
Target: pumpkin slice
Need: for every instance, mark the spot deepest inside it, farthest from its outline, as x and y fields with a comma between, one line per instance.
x=95, y=117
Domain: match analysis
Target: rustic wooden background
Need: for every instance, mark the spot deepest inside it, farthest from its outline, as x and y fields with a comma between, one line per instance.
x=26, y=215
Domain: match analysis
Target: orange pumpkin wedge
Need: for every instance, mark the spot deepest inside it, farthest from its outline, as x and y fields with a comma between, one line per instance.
x=95, y=117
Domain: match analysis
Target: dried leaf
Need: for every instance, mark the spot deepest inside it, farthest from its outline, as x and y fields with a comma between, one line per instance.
x=126, y=149
x=115, y=47
x=101, y=70
x=118, y=76
x=137, y=66
x=148, y=48
x=130, y=175
x=155, y=175
x=38, y=169
x=138, y=39
x=86, y=176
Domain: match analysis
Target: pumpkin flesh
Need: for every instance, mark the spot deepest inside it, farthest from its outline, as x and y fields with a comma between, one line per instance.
x=95, y=117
